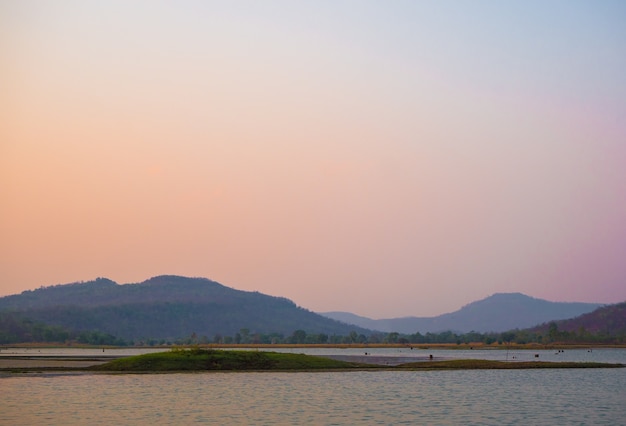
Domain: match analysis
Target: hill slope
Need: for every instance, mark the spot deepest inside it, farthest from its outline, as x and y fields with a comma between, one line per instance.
x=608, y=320
x=167, y=307
x=499, y=312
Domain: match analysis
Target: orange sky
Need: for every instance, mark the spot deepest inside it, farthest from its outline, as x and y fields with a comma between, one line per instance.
x=384, y=159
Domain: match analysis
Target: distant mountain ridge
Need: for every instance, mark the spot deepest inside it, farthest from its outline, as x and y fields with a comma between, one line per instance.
x=496, y=313
x=167, y=307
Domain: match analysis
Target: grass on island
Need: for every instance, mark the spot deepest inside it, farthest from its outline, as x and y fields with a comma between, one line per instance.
x=225, y=360
x=222, y=360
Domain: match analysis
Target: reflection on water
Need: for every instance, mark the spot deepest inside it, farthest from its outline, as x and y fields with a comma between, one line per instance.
x=499, y=397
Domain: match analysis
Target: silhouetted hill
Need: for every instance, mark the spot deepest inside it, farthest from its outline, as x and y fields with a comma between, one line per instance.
x=608, y=320
x=167, y=307
x=497, y=313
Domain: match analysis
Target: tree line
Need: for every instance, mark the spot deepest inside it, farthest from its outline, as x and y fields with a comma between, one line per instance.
x=17, y=329
x=552, y=335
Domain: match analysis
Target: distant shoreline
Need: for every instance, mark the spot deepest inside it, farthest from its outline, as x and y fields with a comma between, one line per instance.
x=201, y=360
x=451, y=346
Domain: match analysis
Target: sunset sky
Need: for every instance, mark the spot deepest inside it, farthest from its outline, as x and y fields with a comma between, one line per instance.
x=387, y=158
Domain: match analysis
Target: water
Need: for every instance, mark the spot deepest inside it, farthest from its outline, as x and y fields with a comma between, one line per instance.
x=497, y=397
x=77, y=352
x=576, y=355
x=387, y=398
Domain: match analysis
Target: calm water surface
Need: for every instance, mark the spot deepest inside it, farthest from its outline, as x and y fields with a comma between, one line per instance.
x=498, y=397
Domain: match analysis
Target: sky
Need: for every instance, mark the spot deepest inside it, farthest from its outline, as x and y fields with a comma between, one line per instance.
x=386, y=158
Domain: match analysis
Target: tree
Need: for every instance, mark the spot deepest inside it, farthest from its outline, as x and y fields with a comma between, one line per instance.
x=553, y=331
x=392, y=337
x=298, y=336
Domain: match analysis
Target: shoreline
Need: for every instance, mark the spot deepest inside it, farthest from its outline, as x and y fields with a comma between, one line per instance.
x=18, y=365
x=447, y=346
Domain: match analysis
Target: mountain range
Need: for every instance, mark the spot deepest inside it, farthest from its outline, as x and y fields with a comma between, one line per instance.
x=496, y=313
x=167, y=307
x=174, y=307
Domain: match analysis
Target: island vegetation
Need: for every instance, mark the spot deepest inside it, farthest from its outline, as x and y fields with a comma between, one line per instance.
x=196, y=359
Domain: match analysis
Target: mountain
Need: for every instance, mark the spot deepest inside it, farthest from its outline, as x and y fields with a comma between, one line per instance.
x=497, y=313
x=608, y=320
x=167, y=307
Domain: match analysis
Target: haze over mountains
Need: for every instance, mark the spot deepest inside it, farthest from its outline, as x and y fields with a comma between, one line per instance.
x=497, y=313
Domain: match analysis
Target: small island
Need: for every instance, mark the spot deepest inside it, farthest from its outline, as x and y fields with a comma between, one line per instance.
x=196, y=359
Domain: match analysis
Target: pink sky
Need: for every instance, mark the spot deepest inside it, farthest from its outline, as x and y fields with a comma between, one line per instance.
x=387, y=159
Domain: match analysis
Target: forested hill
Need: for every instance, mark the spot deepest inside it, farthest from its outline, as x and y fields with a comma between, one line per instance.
x=102, y=292
x=167, y=307
x=608, y=320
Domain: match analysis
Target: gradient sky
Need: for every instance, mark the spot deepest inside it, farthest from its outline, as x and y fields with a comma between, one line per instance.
x=387, y=158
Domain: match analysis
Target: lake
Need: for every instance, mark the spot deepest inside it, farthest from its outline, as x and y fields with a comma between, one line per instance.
x=415, y=354
x=498, y=397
